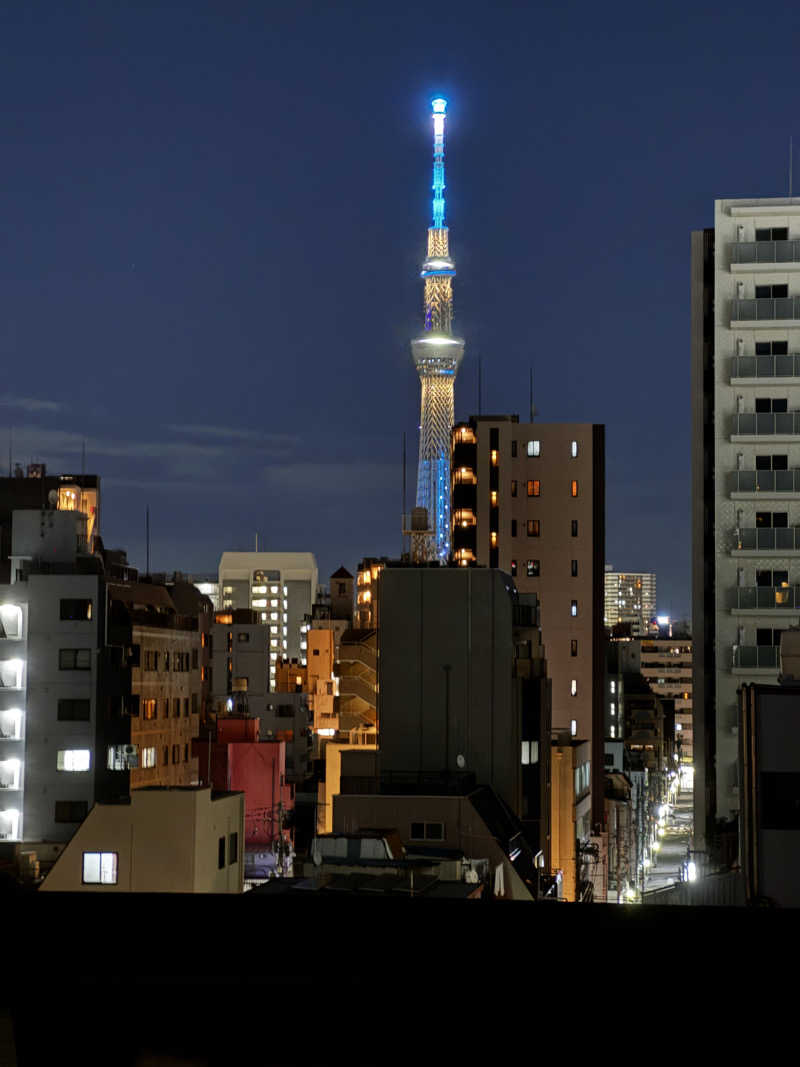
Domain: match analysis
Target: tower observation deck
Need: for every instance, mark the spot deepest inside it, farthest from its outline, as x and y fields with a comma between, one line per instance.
x=437, y=356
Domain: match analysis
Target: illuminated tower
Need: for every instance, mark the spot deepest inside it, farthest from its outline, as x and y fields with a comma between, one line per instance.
x=437, y=355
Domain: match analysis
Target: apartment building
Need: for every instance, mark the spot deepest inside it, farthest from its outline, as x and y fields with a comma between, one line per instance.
x=746, y=474
x=629, y=598
x=666, y=666
x=529, y=499
x=282, y=587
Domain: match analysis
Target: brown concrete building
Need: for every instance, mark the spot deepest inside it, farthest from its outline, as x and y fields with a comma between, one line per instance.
x=529, y=498
x=165, y=684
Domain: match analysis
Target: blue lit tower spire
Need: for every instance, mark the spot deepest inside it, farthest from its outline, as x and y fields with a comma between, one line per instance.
x=437, y=355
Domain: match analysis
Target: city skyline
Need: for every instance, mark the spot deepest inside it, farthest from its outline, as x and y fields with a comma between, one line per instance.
x=180, y=288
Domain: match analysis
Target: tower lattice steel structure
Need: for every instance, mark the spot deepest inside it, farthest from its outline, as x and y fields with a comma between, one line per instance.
x=437, y=355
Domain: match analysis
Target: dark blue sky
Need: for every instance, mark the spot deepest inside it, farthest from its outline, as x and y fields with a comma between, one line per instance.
x=213, y=217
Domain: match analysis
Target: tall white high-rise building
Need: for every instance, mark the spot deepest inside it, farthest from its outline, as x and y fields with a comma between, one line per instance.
x=746, y=474
x=629, y=597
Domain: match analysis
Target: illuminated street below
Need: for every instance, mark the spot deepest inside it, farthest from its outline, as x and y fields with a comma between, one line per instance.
x=672, y=855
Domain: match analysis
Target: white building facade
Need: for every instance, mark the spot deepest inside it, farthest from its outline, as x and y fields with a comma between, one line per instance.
x=282, y=587
x=746, y=472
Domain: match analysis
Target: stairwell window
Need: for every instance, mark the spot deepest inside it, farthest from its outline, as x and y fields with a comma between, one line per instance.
x=573, y=449
x=534, y=448
x=574, y=487
x=534, y=528
x=573, y=610
x=75, y=659
x=534, y=487
x=74, y=759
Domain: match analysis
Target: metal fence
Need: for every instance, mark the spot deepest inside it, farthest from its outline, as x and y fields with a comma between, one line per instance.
x=766, y=252
x=768, y=539
x=765, y=423
x=784, y=366
x=766, y=481
x=765, y=307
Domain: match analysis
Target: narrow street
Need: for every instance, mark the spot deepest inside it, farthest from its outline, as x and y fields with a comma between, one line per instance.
x=669, y=859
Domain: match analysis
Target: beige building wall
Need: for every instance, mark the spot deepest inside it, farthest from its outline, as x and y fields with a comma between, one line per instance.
x=666, y=666
x=569, y=816
x=166, y=841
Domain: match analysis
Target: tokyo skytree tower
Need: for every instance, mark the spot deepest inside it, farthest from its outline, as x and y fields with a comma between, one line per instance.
x=437, y=355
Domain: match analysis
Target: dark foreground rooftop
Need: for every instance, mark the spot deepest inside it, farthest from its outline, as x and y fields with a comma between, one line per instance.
x=303, y=978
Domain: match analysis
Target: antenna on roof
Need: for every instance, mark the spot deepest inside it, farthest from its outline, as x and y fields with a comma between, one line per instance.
x=147, y=527
x=10, y=442
x=791, y=161
x=256, y=540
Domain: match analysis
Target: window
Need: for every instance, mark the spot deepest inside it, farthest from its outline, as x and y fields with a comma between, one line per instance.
x=514, y=488
x=148, y=757
x=71, y=810
x=772, y=463
x=613, y=687
x=574, y=527
x=513, y=449
x=233, y=848
x=513, y=568
x=165, y=760
x=74, y=759
x=573, y=487
x=194, y=704
x=221, y=853
x=573, y=687
x=773, y=519
x=534, y=529
x=772, y=348
x=573, y=728
x=151, y=660
x=526, y=753
x=766, y=404
x=513, y=527
x=776, y=233
x=100, y=868
x=75, y=659
x=149, y=709
x=534, y=487
x=76, y=610
x=613, y=731
x=186, y=753
x=530, y=570
x=74, y=710
x=573, y=449
x=774, y=292
x=427, y=831
x=176, y=754
x=574, y=568
x=573, y=647
x=534, y=448
x=573, y=609
x=166, y=661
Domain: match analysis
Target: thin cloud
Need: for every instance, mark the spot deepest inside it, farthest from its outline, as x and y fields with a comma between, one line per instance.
x=235, y=434
x=29, y=403
x=340, y=477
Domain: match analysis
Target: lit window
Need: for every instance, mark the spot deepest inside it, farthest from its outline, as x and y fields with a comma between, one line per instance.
x=100, y=868
x=273, y=616
x=573, y=610
x=259, y=603
x=148, y=757
x=613, y=708
x=273, y=656
x=526, y=753
x=493, y=457
x=274, y=589
x=613, y=730
x=533, y=448
x=573, y=687
x=573, y=728
x=74, y=759
x=574, y=488
x=263, y=616
x=678, y=726
x=258, y=589
x=613, y=687
x=534, y=488
x=574, y=449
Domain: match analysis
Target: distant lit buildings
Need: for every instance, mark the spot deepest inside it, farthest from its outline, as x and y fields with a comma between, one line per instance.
x=629, y=598
x=282, y=587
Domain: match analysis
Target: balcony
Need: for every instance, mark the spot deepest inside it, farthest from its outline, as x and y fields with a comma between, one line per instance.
x=10, y=622
x=767, y=598
x=11, y=673
x=787, y=366
x=765, y=252
x=11, y=724
x=766, y=309
x=765, y=424
x=787, y=481
x=10, y=774
x=755, y=657
x=768, y=539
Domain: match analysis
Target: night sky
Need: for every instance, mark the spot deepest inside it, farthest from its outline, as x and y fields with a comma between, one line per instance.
x=213, y=217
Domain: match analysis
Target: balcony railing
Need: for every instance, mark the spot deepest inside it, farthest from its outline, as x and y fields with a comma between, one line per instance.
x=754, y=657
x=766, y=481
x=768, y=539
x=766, y=308
x=767, y=597
x=766, y=252
x=756, y=424
x=766, y=366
